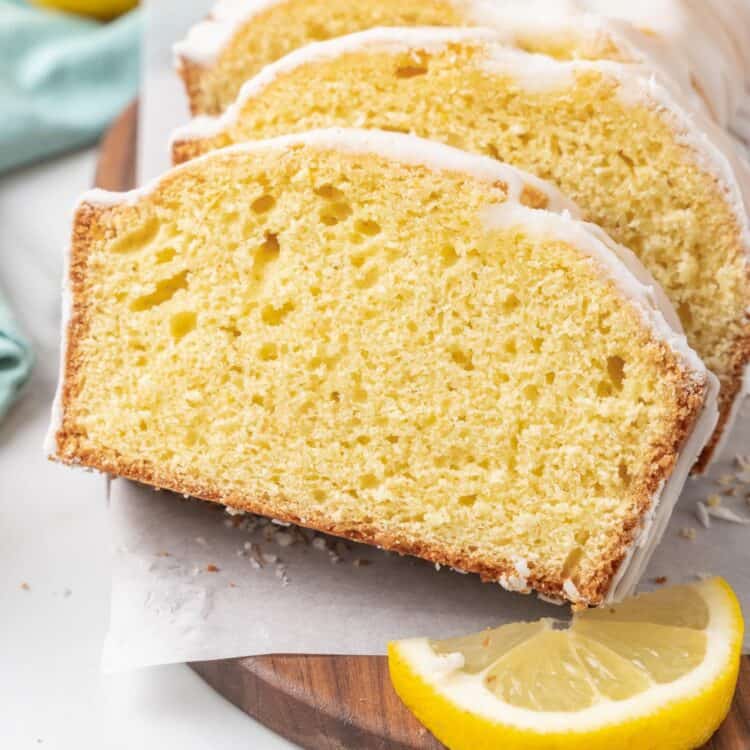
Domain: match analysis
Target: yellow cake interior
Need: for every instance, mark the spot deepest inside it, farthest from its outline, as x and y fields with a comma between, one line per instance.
x=620, y=161
x=277, y=30
x=338, y=340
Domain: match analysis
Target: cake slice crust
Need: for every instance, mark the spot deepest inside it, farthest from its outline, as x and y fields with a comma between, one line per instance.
x=401, y=353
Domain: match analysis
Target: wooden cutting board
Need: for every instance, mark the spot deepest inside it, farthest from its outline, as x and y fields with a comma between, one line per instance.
x=334, y=702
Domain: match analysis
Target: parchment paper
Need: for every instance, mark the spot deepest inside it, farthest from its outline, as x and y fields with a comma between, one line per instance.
x=187, y=577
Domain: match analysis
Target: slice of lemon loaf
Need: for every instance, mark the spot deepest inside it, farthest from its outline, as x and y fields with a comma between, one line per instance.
x=703, y=46
x=618, y=143
x=389, y=340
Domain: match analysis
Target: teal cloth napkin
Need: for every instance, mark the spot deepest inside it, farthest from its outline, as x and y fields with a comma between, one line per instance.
x=16, y=359
x=63, y=78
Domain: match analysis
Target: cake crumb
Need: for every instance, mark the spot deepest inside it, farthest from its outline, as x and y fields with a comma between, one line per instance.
x=713, y=501
x=233, y=511
x=211, y=568
x=25, y=586
x=660, y=580
x=688, y=533
x=270, y=558
x=283, y=539
x=163, y=554
x=726, y=479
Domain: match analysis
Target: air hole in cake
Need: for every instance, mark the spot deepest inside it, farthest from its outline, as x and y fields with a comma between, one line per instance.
x=549, y=378
x=263, y=204
x=411, y=71
x=274, y=316
x=511, y=303
x=335, y=396
x=137, y=239
x=623, y=473
x=359, y=394
x=367, y=227
x=449, y=255
x=269, y=351
x=335, y=213
x=368, y=481
x=536, y=345
x=531, y=393
x=616, y=371
x=462, y=359
x=363, y=440
x=257, y=400
x=510, y=347
x=317, y=33
x=142, y=425
x=369, y=279
x=686, y=315
x=604, y=389
x=165, y=255
x=572, y=561
x=165, y=290
x=329, y=192
x=392, y=438
x=467, y=500
x=181, y=324
x=628, y=161
x=266, y=254
x=395, y=129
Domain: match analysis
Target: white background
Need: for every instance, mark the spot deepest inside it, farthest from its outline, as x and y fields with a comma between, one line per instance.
x=54, y=534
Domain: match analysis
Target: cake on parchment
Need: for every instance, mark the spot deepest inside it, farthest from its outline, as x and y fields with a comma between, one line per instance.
x=389, y=340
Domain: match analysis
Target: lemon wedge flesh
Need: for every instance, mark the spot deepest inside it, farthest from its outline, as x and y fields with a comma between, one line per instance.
x=102, y=9
x=656, y=672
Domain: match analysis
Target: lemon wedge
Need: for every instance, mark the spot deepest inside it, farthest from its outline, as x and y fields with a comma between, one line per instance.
x=102, y=9
x=656, y=672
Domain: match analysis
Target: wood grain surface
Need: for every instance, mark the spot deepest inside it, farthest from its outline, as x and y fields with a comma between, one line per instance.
x=334, y=702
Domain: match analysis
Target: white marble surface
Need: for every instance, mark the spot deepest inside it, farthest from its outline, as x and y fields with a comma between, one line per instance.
x=54, y=536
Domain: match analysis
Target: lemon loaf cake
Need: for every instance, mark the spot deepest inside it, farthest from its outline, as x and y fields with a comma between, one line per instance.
x=389, y=340
x=704, y=46
x=619, y=144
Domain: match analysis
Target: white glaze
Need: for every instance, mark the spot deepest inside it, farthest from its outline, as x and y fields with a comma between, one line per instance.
x=408, y=149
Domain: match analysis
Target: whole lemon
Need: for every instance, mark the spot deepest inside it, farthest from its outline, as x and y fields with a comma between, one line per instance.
x=102, y=9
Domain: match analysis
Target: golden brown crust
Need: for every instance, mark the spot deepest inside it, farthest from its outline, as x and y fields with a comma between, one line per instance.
x=193, y=75
x=71, y=449
x=730, y=392
x=190, y=148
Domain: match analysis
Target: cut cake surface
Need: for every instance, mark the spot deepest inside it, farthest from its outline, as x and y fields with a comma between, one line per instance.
x=389, y=340
x=658, y=178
